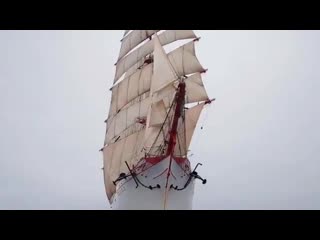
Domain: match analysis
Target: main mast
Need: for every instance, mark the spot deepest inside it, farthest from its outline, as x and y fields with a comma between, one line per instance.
x=180, y=96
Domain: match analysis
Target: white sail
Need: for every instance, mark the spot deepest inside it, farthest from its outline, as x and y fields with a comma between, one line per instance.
x=192, y=117
x=195, y=90
x=118, y=125
x=135, y=56
x=130, y=88
x=133, y=39
x=158, y=114
x=163, y=70
x=115, y=156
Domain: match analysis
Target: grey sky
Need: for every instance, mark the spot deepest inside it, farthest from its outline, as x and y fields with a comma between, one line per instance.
x=260, y=140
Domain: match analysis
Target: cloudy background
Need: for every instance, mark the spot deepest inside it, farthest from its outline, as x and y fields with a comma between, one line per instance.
x=259, y=144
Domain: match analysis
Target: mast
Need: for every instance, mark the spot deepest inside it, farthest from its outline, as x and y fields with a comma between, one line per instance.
x=179, y=108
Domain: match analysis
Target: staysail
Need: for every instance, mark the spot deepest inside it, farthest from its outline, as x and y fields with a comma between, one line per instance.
x=144, y=99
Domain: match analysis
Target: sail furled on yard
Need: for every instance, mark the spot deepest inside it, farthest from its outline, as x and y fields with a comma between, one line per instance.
x=143, y=99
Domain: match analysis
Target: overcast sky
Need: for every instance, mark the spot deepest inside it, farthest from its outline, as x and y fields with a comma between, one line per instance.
x=260, y=142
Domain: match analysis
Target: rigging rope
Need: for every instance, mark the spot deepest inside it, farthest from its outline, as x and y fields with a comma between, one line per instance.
x=173, y=103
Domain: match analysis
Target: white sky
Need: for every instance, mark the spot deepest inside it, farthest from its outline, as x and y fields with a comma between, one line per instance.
x=260, y=140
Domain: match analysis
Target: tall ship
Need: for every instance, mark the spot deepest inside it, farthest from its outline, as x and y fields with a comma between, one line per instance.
x=157, y=97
